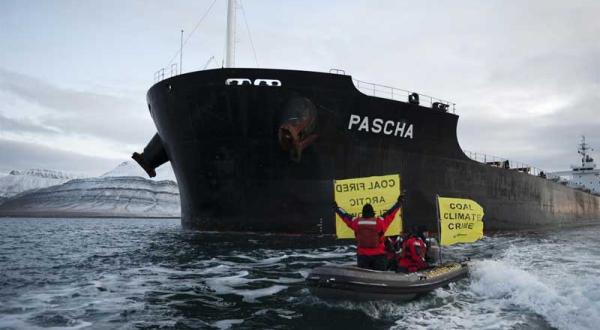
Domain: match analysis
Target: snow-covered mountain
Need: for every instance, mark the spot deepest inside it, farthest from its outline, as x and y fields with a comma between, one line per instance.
x=130, y=168
x=121, y=192
x=102, y=196
x=17, y=182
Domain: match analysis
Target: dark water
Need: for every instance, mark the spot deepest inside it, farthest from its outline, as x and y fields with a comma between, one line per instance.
x=147, y=274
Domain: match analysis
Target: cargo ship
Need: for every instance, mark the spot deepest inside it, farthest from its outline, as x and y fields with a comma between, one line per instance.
x=258, y=149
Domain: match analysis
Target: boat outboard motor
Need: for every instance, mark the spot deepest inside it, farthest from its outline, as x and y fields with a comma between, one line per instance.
x=297, y=126
x=153, y=156
x=413, y=98
x=433, y=251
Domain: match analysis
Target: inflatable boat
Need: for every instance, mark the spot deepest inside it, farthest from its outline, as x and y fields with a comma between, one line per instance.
x=351, y=282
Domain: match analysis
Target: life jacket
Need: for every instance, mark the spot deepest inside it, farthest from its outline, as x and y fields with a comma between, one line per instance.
x=415, y=248
x=366, y=233
x=413, y=254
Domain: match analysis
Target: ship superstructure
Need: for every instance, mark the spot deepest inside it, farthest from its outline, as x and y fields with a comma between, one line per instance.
x=584, y=176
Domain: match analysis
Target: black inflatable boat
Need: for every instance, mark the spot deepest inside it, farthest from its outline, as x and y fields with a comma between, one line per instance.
x=351, y=282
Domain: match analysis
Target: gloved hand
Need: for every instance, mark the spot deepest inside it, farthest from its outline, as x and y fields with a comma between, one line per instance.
x=401, y=198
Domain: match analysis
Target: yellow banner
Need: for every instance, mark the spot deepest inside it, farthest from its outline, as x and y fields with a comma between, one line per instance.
x=379, y=191
x=461, y=220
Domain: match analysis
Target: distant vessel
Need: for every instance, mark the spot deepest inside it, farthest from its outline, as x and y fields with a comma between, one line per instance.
x=258, y=150
x=584, y=176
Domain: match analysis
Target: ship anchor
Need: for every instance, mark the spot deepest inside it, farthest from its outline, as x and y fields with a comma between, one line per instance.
x=296, y=130
x=293, y=139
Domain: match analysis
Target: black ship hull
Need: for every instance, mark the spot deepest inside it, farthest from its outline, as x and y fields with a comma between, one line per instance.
x=258, y=150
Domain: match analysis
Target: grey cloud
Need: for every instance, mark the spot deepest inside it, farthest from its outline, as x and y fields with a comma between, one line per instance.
x=102, y=116
x=60, y=99
x=546, y=141
x=22, y=125
x=21, y=155
x=560, y=71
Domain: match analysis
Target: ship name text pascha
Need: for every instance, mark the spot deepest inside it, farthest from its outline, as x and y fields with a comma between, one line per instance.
x=380, y=126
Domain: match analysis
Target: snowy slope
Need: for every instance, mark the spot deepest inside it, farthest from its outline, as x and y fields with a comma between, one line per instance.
x=125, y=191
x=131, y=168
x=110, y=196
x=19, y=181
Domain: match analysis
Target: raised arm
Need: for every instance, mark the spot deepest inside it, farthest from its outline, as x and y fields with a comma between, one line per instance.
x=389, y=215
x=347, y=218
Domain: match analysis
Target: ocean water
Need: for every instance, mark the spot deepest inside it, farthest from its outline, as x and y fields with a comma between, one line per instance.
x=150, y=273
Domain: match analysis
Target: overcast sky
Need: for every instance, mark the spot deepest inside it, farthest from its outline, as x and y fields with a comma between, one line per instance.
x=525, y=75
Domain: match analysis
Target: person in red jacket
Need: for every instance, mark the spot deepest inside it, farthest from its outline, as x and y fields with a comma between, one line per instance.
x=369, y=232
x=413, y=254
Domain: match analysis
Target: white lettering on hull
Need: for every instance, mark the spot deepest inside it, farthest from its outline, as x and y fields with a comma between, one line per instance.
x=379, y=126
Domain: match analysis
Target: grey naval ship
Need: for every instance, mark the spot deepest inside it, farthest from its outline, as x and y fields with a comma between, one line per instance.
x=584, y=176
x=258, y=149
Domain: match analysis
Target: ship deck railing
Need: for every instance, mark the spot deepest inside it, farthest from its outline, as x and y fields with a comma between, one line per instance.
x=161, y=73
x=500, y=162
x=364, y=87
x=399, y=94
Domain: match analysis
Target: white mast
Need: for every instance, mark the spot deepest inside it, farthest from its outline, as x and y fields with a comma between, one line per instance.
x=230, y=47
x=583, y=149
